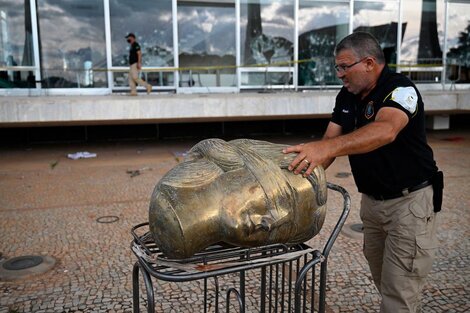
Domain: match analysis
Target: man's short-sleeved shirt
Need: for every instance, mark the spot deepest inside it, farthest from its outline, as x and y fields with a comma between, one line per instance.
x=405, y=162
x=133, y=58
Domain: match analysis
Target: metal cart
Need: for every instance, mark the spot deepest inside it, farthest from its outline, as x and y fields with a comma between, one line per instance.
x=273, y=278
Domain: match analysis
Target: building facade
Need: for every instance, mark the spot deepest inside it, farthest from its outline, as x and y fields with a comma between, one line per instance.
x=225, y=45
x=70, y=47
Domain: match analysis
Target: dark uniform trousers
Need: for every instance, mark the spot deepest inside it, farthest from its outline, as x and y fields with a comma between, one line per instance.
x=400, y=243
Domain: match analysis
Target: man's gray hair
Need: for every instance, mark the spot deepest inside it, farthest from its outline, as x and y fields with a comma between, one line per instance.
x=362, y=44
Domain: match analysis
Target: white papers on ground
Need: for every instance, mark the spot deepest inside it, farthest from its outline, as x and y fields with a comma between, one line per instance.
x=81, y=155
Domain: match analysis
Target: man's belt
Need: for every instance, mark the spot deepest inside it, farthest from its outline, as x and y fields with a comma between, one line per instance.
x=402, y=193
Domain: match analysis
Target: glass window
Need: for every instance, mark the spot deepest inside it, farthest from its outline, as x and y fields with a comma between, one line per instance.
x=458, y=43
x=321, y=26
x=421, y=51
x=16, y=45
x=72, y=39
x=266, y=38
x=151, y=22
x=206, y=34
x=379, y=18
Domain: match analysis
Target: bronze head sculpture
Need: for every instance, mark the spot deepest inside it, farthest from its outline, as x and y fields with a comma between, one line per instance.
x=238, y=192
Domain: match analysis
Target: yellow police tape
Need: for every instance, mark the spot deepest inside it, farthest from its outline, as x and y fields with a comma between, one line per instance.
x=274, y=64
x=217, y=67
x=208, y=68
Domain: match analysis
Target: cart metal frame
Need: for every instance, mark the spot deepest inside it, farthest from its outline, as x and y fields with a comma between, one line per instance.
x=284, y=283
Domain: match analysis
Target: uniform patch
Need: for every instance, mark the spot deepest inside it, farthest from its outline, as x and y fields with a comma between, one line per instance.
x=369, y=112
x=406, y=97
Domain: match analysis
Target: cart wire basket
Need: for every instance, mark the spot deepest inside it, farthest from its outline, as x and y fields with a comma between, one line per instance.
x=271, y=278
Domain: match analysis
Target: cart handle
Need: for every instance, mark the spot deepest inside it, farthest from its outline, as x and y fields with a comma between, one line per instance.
x=342, y=219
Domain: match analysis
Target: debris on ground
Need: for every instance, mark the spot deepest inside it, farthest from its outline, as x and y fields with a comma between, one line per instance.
x=179, y=156
x=81, y=155
x=343, y=174
x=54, y=164
x=139, y=171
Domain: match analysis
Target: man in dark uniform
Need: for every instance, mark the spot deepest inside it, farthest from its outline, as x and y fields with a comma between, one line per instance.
x=378, y=121
x=135, y=65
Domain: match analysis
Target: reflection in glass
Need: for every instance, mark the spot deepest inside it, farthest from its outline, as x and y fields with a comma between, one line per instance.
x=458, y=43
x=72, y=43
x=415, y=35
x=321, y=26
x=151, y=22
x=266, y=34
x=16, y=44
x=428, y=41
x=276, y=77
x=73, y=46
x=379, y=18
x=206, y=33
x=423, y=40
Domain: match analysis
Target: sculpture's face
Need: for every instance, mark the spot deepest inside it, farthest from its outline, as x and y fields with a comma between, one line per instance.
x=237, y=193
x=247, y=216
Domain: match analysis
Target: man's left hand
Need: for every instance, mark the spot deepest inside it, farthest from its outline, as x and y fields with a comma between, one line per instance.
x=309, y=156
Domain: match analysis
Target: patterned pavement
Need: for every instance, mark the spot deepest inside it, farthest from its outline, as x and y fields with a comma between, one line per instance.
x=50, y=205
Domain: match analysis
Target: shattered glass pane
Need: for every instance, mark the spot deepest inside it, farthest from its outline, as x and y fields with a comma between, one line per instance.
x=321, y=26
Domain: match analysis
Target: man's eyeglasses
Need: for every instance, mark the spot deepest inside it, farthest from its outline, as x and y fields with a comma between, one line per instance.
x=345, y=68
